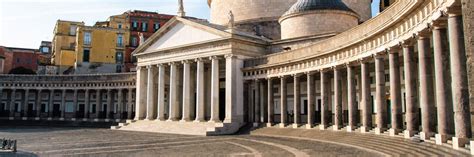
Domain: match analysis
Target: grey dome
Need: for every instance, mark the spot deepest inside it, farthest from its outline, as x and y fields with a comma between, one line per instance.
x=309, y=5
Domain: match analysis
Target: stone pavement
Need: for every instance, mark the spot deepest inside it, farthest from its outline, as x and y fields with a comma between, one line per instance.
x=38, y=141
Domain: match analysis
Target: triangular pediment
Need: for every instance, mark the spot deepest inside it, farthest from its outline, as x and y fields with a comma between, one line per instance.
x=182, y=34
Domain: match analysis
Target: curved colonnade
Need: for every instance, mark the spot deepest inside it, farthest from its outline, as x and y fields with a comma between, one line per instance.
x=409, y=60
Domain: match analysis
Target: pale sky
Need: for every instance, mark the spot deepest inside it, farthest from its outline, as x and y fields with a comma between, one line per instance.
x=25, y=23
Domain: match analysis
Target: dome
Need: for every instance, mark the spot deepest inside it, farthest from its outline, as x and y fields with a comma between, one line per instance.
x=309, y=5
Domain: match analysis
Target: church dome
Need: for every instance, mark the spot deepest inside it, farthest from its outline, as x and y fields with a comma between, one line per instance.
x=310, y=5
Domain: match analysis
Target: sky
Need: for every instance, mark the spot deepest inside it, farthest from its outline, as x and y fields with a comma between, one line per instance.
x=25, y=23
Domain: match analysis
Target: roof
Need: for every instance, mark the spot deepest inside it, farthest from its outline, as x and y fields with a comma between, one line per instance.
x=310, y=5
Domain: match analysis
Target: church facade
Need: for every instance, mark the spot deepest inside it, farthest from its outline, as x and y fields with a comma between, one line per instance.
x=314, y=64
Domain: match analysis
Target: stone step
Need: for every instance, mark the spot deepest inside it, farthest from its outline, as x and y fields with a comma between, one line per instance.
x=123, y=124
x=180, y=127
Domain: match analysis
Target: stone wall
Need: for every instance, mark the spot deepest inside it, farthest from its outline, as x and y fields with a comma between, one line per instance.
x=268, y=29
x=468, y=15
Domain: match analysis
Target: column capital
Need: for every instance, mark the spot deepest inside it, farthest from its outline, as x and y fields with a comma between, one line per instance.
x=199, y=60
x=380, y=54
x=440, y=23
x=365, y=60
x=310, y=72
x=282, y=76
x=394, y=49
x=296, y=74
x=139, y=68
x=454, y=11
x=230, y=56
x=424, y=34
x=171, y=63
x=214, y=58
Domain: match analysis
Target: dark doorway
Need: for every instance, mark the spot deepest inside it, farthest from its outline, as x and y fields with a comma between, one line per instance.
x=80, y=113
x=222, y=104
x=56, y=110
x=30, y=112
x=317, y=115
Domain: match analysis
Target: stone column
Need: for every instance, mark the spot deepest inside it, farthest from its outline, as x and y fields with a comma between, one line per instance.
x=311, y=99
x=262, y=101
x=74, y=105
x=395, y=93
x=411, y=108
x=63, y=104
x=380, y=100
x=296, y=100
x=200, y=99
x=51, y=105
x=283, y=107
x=186, y=91
x=427, y=103
x=12, y=104
x=98, y=103
x=234, y=100
x=460, y=88
x=129, y=103
x=151, y=93
x=366, y=105
x=337, y=99
x=442, y=80
x=351, y=98
x=25, y=103
x=38, y=104
x=141, y=93
x=119, y=104
x=86, y=104
x=325, y=86
x=270, y=107
x=161, y=92
x=215, y=90
x=173, y=93
x=256, y=103
x=110, y=105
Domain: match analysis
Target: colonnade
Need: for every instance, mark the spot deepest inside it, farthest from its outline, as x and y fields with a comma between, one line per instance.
x=435, y=81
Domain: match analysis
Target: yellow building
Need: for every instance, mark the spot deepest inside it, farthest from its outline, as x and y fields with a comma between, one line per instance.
x=64, y=43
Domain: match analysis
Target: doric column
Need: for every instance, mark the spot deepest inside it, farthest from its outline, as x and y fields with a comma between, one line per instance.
x=141, y=93
x=311, y=99
x=395, y=93
x=296, y=100
x=38, y=104
x=442, y=80
x=460, y=88
x=173, y=93
x=110, y=104
x=283, y=107
x=87, y=104
x=270, y=103
x=215, y=89
x=186, y=91
x=119, y=103
x=63, y=104
x=98, y=103
x=337, y=99
x=200, y=99
x=325, y=86
x=427, y=103
x=12, y=103
x=262, y=101
x=351, y=98
x=411, y=107
x=25, y=103
x=233, y=90
x=256, y=102
x=161, y=92
x=51, y=101
x=151, y=93
x=129, y=103
x=366, y=104
x=380, y=100
x=74, y=105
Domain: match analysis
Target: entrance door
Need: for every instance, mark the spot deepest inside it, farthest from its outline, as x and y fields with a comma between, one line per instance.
x=56, y=110
x=317, y=115
x=80, y=113
x=30, y=110
x=222, y=104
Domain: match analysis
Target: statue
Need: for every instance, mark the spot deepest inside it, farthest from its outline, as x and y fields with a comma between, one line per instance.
x=231, y=20
x=181, y=12
x=142, y=39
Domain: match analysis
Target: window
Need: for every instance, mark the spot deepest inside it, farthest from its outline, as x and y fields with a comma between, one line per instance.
x=134, y=41
x=156, y=26
x=144, y=27
x=87, y=38
x=120, y=40
x=85, y=55
x=119, y=57
x=45, y=49
x=119, y=26
x=18, y=60
x=69, y=107
x=135, y=25
x=72, y=30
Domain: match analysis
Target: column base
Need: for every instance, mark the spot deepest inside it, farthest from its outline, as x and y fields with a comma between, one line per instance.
x=184, y=120
x=195, y=121
x=364, y=129
x=408, y=134
x=96, y=120
x=215, y=121
x=11, y=118
x=269, y=124
x=394, y=132
x=73, y=119
x=425, y=136
x=309, y=126
x=322, y=127
x=440, y=139
x=61, y=119
x=459, y=143
x=172, y=120
x=335, y=128
x=84, y=119
x=255, y=124
x=295, y=126
x=117, y=120
x=350, y=129
x=471, y=144
x=49, y=118
x=282, y=125
x=107, y=120
x=379, y=131
x=37, y=118
x=24, y=118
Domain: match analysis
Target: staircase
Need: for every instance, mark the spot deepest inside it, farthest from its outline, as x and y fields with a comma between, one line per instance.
x=179, y=127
